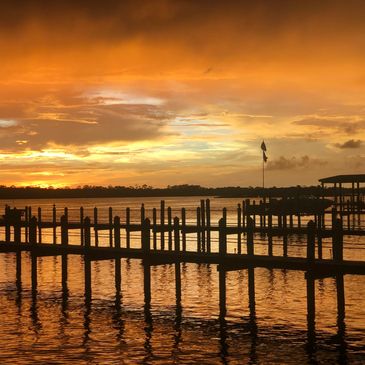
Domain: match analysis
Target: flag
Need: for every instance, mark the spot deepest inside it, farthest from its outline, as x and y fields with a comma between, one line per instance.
x=264, y=157
x=263, y=146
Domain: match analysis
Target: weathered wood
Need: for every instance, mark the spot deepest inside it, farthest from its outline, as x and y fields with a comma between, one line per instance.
x=64, y=230
x=222, y=237
x=202, y=216
x=198, y=230
x=337, y=240
x=311, y=240
x=154, y=228
x=82, y=240
x=162, y=224
x=183, y=228
x=96, y=234
x=33, y=231
x=87, y=232
x=239, y=226
x=116, y=225
x=39, y=225
x=146, y=227
x=110, y=216
x=127, y=227
x=207, y=205
x=319, y=236
x=285, y=236
x=249, y=237
x=269, y=235
x=169, y=227
x=54, y=223
x=176, y=234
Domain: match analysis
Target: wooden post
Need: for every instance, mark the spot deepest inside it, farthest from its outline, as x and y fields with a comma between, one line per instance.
x=269, y=237
x=250, y=243
x=202, y=216
x=176, y=234
x=254, y=213
x=26, y=218
x=143, y=213
x=348, y=216
x=311, y=240
x=162, y=224
x=334, y=217
x=154, y=228
x=243, y=214
x=299, y=221
x=116, y=232
x=39, y=225
x=146, y=226
x=33, y=231
x=169, y=227
x=64, y=230
x=319, y=236
x=291, y=223
x=127, y=227
x=87, y=232
x=239, y=228
x=337, y=240
x=17, y=227
x=96, y=234
x=222, y=237
x=110, y=226
x=8, y=225
x=198, y=230
x=82, y=226
x=183, y=228
x=285, y=236
x=261, y=215
x=341, y=200
x=54, y=224
x=247, y=209
x=29, y=217
x=207, y=206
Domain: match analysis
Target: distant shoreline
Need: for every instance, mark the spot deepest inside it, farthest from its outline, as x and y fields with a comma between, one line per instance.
x=170, y=191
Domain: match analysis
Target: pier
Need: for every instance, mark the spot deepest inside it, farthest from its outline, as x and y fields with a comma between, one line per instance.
x=165, y=243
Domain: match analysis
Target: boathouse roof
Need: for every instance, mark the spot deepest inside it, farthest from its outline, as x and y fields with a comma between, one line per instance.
x=344, y=179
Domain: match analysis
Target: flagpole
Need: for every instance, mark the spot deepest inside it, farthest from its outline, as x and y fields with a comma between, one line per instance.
x=263, y=173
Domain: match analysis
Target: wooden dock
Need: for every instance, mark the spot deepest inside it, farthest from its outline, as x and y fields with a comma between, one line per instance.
x=26, y=235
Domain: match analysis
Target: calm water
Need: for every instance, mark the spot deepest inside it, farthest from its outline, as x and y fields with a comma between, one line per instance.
x=115, y=328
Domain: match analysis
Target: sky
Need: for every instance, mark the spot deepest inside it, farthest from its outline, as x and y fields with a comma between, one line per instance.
x=166, y=92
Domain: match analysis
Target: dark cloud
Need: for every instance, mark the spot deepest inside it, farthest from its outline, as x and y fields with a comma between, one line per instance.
x=188, y=20
x=351, y=143
x=339, y=124
x=284, y=163
x=81, y=122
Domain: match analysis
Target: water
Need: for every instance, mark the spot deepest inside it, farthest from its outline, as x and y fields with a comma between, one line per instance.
x=54, y=328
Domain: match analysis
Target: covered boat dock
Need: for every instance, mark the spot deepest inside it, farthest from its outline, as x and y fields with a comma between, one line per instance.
x=347, y=191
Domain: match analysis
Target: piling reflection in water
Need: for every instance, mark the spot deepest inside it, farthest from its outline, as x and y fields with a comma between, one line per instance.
x=245, y=333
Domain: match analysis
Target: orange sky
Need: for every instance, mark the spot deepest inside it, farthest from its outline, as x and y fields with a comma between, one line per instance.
x=171, y=92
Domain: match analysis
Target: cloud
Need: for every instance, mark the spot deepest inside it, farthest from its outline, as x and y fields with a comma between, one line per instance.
x=351, y=143
x=284, y=163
